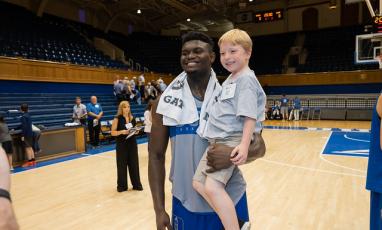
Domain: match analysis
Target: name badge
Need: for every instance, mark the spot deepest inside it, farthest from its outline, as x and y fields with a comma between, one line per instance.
x=129, y=126
x=228, y=91
x=97, y=106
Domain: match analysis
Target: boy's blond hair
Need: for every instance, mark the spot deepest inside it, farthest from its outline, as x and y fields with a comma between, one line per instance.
x=237, y=37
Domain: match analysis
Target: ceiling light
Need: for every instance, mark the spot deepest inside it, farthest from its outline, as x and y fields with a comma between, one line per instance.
x=139, y=11
x=188, y=19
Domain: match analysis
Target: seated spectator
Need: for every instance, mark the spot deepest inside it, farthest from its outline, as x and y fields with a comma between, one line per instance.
x=266, y=111
x=6, y=141
x=27, y=136
x=162, y=85
x=95, y=114
x=133, y=83
x=150, y=92
x=141, y=87
x=116, y=80
x=79, y=112
x=276, y=111
x=141, y=79
x=120, y=90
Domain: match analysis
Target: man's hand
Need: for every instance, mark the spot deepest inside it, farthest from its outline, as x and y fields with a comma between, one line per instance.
x=7, y=217
x=219, y=155
x=163, y=221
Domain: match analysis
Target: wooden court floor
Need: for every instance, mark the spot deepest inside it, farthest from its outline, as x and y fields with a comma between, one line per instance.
x=292, y=187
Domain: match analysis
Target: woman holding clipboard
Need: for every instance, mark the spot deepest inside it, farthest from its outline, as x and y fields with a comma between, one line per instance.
x=124, y=130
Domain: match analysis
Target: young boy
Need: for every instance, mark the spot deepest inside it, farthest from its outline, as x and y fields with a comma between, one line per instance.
x=232, y=119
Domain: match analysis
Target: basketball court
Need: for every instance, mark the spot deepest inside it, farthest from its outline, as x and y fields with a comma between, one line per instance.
x=295, y=186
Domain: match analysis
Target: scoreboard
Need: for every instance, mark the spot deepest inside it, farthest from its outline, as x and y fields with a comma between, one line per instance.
x=377, y=24
x=268, y=16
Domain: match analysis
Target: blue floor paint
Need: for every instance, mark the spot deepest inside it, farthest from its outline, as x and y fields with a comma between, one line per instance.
x=355, y=144
x=88, y=153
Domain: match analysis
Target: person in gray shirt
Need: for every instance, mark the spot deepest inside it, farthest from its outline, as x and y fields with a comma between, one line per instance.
x=232, y=119
x=79, y=112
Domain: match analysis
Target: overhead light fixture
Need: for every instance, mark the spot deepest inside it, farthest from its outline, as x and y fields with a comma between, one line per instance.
x=139, y=11
x=189, y=19
x=333, y=4
x=250, y=0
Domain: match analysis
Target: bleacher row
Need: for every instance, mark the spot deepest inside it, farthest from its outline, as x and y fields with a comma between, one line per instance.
x=348, y=107
x=332, y=49
x=52, y=110
x=337, y=103
x=25, y=35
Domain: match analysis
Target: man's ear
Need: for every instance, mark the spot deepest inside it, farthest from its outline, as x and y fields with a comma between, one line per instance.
x=212, y=56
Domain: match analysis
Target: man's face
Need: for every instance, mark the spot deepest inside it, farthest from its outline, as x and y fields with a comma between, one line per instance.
x=196, y=57
x=93, y=100
x=78, y=101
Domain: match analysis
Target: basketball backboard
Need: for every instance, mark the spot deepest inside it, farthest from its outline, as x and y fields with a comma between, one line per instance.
x=368, y=47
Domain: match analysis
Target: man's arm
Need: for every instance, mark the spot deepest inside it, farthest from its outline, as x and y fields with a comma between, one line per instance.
x=379, y=111
x=100, y=114
x=219, y=156
x=157, y=150
x=7, y=216
x=74, y=113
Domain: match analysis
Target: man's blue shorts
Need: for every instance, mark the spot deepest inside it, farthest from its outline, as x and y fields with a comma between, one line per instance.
x=375, y=210
x=182, y=219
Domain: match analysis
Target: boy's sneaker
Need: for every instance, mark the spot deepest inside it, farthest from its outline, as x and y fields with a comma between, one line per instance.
x=244, y=225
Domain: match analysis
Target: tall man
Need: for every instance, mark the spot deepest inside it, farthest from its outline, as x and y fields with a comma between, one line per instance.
x=190, y=210
x=95, y=114
x=374, y=169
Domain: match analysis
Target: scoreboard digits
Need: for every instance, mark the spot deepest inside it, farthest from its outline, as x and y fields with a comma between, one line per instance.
x=377, y=24
x=268, y=16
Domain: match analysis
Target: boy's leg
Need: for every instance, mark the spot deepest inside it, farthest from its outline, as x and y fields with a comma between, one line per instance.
x=199, y=187
x=222, y=203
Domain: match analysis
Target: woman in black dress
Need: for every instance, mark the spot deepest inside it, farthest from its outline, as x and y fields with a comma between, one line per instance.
x=126, y=149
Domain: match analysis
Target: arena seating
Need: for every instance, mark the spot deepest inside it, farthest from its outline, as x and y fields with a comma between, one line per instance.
x=144, y=48
x=332, y=50
x=51, y=38
x=23, y=34
x=56, y=109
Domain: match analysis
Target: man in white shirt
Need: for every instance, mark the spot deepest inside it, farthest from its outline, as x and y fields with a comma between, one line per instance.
x=79, y=112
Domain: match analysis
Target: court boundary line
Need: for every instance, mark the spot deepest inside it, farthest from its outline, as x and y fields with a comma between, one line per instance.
x=84, y=155
x=312, y=169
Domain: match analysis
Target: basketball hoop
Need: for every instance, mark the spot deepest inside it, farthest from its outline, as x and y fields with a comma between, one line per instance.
x=380, y=61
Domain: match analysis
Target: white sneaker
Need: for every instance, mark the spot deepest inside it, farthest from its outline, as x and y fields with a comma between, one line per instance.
x=246, y=226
